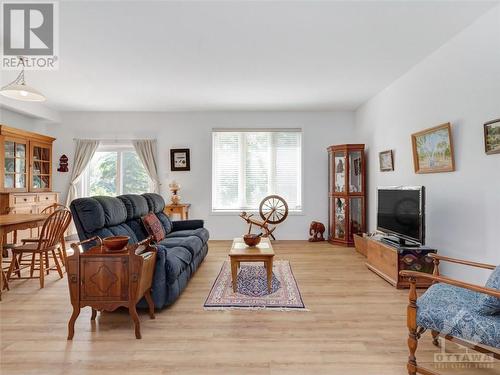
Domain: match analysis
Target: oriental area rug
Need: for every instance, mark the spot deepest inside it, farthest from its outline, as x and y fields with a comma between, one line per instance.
x=252, y=292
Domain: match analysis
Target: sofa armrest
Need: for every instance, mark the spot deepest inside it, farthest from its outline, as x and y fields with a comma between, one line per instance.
x=413, y=275
x=186, y=225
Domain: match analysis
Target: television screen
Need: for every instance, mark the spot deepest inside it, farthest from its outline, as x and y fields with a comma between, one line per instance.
x=401, y=212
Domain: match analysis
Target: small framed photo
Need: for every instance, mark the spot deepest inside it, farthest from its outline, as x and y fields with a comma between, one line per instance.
x=433, y=150
x=492, y=137
x=179, y=159
x=386, y=161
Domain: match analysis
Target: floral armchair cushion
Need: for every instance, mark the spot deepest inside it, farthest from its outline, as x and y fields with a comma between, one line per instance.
x=490, y=304
x=457, y=311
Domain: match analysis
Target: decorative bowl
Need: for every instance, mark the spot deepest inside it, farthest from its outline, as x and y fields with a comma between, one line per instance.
x=115, y=243
x=251, y=239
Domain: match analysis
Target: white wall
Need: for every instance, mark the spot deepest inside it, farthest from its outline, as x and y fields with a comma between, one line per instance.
x=459, y=83
x=18, y=120
x=193, y=130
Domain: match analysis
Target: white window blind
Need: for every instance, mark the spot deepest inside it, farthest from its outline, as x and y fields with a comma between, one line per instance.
x=249, y=165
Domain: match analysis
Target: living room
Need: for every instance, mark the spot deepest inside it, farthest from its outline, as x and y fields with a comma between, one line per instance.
x=211, y=109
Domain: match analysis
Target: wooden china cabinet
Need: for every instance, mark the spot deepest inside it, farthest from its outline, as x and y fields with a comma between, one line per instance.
x=346, y=193
x=26, y=173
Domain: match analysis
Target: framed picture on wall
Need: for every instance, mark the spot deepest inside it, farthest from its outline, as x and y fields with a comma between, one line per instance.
x=386, y=161
x=179, y=159
x=433, y=150
x=492, y=137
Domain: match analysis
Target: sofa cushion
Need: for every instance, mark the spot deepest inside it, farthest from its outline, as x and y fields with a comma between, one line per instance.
x=136, y=205
x=153, y=226
x=117, y=230
x=138, y=228
x=201, y=233
x=165, y=221
x=155, y=202
x=177, y=260
x=114, y=210
x=89, y=212
x=193, y=244
x=452, y=310
x=490, y=304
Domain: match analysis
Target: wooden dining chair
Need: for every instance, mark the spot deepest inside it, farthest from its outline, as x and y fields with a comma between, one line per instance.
x=47, y=244
x=62, y=251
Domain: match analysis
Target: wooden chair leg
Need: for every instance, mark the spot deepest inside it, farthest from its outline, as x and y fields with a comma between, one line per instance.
x=18, y=265
x=94, y=314
x=412, y=327
x=62, y=257
x=42, y=269
x=135, y=318
x=47, y=262
x=12, y=266
x=151, y=305
x=5, y=281
x=63, y=251
x=58, y=267
x=71, y=323
x=32, y=267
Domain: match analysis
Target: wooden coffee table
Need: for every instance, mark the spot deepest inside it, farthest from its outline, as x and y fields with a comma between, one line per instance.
x=240, y=252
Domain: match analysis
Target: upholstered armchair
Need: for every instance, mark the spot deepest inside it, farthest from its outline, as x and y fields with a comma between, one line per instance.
x=464, y=313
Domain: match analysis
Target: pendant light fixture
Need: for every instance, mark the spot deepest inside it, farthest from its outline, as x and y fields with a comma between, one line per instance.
x=19, y=90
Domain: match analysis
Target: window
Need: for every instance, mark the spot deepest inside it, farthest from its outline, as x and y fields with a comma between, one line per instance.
x=249, y=165
x=115, y=170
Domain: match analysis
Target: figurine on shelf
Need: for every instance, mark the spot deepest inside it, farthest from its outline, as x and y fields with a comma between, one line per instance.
x=63, y=164
x=174, y=188
x=316, y=230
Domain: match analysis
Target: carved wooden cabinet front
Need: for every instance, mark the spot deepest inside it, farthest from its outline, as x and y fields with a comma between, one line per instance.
x=104, y=279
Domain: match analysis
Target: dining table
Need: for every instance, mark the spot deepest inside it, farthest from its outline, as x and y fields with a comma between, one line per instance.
x=10, y=223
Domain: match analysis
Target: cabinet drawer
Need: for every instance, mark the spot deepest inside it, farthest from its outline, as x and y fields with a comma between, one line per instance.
x=23, y=199
x=47, y=197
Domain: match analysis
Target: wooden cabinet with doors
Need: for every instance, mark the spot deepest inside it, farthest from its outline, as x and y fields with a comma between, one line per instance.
x=346, y=193
x=26, y=159
x=26, y=173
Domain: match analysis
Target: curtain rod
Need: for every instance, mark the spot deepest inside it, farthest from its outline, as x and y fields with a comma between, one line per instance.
x=114, y=139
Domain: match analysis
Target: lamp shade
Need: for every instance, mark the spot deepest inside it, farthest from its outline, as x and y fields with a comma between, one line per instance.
x=22, y=92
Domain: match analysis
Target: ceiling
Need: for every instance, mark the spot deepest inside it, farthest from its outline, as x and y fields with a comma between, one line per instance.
x=204, y=56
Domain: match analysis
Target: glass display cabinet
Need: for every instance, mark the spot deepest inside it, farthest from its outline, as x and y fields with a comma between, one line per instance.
x=346, y=193
x=27, y=161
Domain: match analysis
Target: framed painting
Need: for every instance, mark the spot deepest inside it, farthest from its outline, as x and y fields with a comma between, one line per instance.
x=179, y=159
x=433, y=150
x=492, y=137
x=386, y=161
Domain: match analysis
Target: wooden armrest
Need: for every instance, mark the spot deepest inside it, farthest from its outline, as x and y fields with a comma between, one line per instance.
x=441, y=279
x=460, y=261
x=96, y=239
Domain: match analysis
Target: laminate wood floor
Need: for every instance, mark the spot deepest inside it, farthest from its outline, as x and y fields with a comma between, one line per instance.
x=356, y=325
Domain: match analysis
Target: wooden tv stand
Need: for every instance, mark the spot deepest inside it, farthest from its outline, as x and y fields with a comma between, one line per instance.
x=386, y=261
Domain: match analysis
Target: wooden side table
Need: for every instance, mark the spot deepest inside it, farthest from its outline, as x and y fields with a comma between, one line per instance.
x=107, y=280
x=181, y=209
x=240, y=252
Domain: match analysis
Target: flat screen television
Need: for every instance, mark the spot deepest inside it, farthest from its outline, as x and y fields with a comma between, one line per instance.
x=401, y=213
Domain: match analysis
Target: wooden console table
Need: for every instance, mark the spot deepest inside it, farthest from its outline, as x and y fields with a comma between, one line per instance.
x=107, y=280
x=386, y=261
x=181, y=209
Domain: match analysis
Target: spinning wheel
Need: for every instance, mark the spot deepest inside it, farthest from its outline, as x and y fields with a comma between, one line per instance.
x=273, y=209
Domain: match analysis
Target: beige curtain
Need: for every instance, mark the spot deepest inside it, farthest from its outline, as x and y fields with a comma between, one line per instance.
x=146, y=150
x=85, y=149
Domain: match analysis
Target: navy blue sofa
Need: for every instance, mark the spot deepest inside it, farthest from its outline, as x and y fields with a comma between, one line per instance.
x=179, y=254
